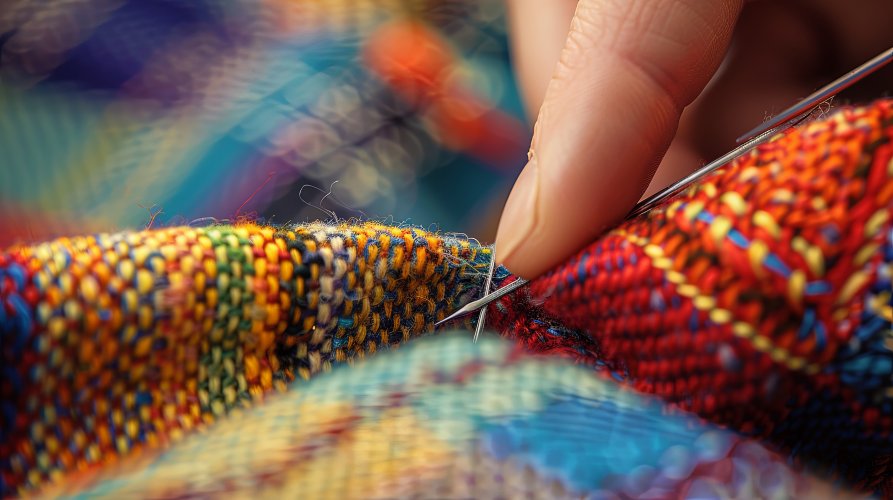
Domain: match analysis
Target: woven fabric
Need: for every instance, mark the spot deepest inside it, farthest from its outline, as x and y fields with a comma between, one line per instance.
x=116, y=342
x=758, y=300
x=450, y=419
x=761, y=298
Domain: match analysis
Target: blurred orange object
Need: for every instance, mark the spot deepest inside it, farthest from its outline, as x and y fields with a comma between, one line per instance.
x=420, y=66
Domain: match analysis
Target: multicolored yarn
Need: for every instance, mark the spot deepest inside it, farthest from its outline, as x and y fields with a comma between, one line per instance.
x=117, y=342
x=446, y=418
x=759, y=300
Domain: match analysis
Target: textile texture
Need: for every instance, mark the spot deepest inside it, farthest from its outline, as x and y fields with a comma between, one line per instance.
x=761, y=299
x=735, y=341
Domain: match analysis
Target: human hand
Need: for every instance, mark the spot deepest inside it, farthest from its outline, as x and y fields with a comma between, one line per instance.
x=622, y=99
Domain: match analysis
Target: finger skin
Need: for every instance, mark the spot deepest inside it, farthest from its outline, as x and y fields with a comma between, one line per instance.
x=538, y=30
x=626, y=72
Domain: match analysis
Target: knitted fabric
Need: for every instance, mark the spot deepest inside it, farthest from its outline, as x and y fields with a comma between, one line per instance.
x=759, y=300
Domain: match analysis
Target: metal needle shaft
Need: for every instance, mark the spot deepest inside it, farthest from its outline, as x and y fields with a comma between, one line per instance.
x=483, y=301
x=763, y=132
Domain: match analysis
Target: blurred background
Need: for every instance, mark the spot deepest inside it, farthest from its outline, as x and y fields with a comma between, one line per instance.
x=127, y=114
x=120, y=114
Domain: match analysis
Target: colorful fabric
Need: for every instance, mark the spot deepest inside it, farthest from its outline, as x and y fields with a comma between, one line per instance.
x=759, y=300
x=115, y=342
x=450, y=419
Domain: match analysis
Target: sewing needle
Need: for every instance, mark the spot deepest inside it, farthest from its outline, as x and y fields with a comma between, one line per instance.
x=483, y=301
x=483, y=315
x=786, y=119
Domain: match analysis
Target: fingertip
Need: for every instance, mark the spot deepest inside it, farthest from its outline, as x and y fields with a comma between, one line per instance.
x=545, y=220
x=519, y=222
x=610, y=112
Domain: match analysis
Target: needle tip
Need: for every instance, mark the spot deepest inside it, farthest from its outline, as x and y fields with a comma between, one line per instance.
x=451, y=317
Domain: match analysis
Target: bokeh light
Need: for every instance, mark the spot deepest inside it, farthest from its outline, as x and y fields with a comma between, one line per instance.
x=122, y=114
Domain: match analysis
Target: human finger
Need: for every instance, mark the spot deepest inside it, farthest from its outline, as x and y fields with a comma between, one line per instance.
x=626, y=72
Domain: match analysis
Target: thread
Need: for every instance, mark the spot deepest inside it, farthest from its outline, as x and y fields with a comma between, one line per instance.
x=754, y=299
x=132, y=340
x=759, y=300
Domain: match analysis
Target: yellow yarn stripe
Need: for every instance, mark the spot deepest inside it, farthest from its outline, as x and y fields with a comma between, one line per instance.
x=718, y=315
